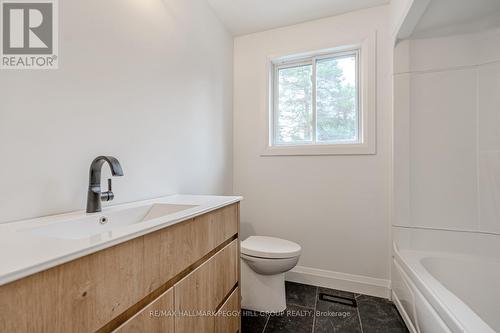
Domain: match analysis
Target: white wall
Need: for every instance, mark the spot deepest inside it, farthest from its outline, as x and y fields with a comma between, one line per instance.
x=336, y=207
x=447, y=133
x=148, y=81
x=398, y=12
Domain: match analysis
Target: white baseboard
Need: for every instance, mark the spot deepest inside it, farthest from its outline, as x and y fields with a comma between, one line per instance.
x=341, y=281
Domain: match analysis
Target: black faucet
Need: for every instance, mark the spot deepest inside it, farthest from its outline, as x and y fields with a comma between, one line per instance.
x=95, y=196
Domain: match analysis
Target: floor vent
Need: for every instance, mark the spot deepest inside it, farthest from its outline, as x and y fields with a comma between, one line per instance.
x=338, y=299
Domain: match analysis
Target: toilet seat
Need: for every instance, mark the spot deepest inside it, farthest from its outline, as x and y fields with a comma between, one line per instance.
x=269, y=248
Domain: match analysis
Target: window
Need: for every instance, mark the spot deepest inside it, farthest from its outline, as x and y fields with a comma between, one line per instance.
x=322, y=103
x=316, y=101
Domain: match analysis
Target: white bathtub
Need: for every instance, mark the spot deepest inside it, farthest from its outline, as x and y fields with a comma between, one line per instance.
x=442, y=292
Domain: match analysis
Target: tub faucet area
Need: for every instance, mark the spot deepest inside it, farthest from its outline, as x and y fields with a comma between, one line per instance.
x=95, y=195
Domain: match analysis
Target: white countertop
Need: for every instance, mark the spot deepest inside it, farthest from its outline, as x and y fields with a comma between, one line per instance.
x=23, y=253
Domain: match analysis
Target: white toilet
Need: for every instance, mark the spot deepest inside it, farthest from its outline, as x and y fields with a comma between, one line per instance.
x=264, y=261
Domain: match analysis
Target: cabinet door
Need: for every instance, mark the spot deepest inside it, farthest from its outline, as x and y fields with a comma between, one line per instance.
x=158, y=317
x=199, y=295
x=228, y=317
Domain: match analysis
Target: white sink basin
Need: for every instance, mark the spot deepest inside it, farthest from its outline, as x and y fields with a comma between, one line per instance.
x=89, y=226
x=37, y=244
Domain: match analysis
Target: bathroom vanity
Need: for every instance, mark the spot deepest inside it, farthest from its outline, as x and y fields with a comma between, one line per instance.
x=172, y=267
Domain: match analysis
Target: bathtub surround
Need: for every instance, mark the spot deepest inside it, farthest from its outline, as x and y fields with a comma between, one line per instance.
x=446, y=142
x=336, y=207
x=446, y=223
x=147, y=81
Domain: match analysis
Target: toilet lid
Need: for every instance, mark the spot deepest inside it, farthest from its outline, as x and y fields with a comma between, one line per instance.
x=269, y=247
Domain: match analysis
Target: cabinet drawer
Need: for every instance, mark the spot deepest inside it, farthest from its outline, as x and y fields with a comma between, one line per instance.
x=171, y=250
x=228, y=317
x=200, y=293
x=158, y=317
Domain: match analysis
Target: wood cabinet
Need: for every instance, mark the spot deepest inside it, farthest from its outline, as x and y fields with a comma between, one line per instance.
x=227, y=319
x=190, y=265
x=156, y=317
x=202, y=291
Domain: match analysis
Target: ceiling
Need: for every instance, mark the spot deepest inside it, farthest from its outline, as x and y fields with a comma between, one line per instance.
x=447, y=17
x=247, y=16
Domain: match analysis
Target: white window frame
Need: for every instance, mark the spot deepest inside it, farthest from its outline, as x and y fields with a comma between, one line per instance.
x=366, y=85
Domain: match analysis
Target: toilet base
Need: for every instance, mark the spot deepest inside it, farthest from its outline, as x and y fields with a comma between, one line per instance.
x=264, y=293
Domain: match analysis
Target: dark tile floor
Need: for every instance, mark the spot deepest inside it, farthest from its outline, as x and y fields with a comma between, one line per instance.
x=306, y=312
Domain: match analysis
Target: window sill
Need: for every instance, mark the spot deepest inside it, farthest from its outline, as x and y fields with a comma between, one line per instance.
x=319, y=150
